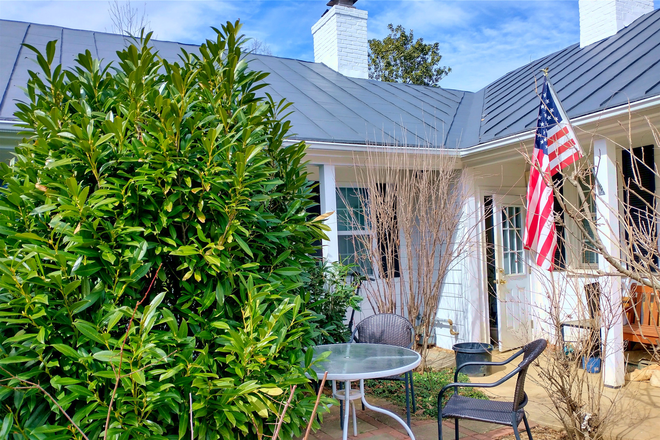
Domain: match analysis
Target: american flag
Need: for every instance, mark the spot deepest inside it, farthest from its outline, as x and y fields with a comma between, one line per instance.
x=555, y=148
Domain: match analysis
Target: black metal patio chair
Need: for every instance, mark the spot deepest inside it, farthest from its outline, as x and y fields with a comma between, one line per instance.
x=503, y=413
x=390, y=329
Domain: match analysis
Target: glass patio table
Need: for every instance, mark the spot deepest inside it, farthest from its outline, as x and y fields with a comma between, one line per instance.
x=350, y=362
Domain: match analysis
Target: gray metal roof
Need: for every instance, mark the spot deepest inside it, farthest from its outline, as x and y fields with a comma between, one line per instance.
x=620, y=69
x=331, y=107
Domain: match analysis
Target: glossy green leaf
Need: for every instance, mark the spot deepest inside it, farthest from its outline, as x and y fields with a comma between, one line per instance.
x=90, y=331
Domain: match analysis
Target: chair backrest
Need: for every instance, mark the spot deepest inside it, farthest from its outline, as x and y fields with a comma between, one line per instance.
x=531, y=351
x=647, y=310
x=384, y=328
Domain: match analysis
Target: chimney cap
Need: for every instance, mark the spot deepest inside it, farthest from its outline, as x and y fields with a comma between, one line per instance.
x=346, y=3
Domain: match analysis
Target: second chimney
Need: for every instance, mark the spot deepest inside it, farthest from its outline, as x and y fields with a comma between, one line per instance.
x=603, y=18
x=340, y=39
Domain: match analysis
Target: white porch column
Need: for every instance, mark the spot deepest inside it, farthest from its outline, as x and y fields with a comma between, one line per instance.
x=328, y=192
x=607, y=209
x=475, y=290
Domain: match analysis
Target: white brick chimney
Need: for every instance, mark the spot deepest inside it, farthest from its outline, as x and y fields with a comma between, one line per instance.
x=603, y=18
x=340, y=39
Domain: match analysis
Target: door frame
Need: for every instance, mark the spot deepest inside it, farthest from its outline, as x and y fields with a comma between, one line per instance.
x=492, y=192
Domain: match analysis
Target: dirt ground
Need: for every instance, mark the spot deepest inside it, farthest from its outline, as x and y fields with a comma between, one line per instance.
x=539, y=433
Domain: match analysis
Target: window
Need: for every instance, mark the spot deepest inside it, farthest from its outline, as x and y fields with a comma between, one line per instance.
x=559, y=260
x=352, y=227
x=638, y=199
x=512, y=244
x=588, y=255
x=354, y=235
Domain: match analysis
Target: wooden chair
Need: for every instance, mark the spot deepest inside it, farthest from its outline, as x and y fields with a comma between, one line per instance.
x=642, y=313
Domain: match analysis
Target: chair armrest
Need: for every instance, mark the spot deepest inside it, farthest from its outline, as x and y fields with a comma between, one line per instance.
x=467, y=364
x=457, y=385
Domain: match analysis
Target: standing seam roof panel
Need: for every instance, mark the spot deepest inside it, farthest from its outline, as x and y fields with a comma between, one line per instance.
x=12, y=36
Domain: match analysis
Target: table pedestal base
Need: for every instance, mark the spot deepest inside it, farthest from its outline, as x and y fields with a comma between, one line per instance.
x=379, y=410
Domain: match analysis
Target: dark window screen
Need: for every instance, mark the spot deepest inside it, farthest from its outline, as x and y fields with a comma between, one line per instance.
x=638, y=196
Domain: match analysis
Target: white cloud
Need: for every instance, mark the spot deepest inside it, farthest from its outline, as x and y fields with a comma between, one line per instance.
x=424, y=17
x=72, y=14
x=184, y=21
x=481, y=40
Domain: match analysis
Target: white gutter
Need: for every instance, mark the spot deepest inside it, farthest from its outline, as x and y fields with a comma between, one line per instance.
x=492, y=145
x=343, y=146
x=9, y=126
x=6, y=125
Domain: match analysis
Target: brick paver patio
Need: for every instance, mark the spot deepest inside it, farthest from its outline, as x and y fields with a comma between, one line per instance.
x=375, y=426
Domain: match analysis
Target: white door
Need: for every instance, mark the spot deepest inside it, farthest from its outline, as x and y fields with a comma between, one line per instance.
x=512, y=275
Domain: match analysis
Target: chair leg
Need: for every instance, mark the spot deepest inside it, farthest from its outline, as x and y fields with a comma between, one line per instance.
x=456, y=429
x=407, y=399
x=412, y=392
x=514, y=424
x=515, y=432
x=440, y=424
x=529, y=431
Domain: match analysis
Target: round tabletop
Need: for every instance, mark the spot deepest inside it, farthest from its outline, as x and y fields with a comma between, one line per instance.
x=364, y=361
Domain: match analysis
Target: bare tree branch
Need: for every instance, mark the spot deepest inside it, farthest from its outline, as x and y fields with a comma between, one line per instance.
x=412, y=212
x=128, y=20
x=258, y=47
x=281, y=417
x=32, y=385
x=316, y=405
x=121, y=352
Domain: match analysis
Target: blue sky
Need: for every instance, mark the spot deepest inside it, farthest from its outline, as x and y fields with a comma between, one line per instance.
x=479, y=40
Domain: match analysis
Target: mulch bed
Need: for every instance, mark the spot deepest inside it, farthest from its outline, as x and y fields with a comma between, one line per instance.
x=539, y=433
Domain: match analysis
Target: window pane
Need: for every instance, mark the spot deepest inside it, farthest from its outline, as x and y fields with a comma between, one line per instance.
x=352, y=251
x=588, y=254
x=346, y=247
x=350, y=212
x=512, y=246
x=512, y=259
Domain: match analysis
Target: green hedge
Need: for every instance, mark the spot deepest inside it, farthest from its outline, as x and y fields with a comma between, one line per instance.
x=142, y=165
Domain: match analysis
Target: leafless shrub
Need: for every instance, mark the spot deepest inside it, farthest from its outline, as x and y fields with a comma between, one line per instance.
x=623, y=241
x=579, y=398
x=634, y=257
x=412, y=210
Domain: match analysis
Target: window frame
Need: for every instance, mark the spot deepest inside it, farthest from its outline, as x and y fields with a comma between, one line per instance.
x=518, y=231
x=352, y=232
x=583, y=240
